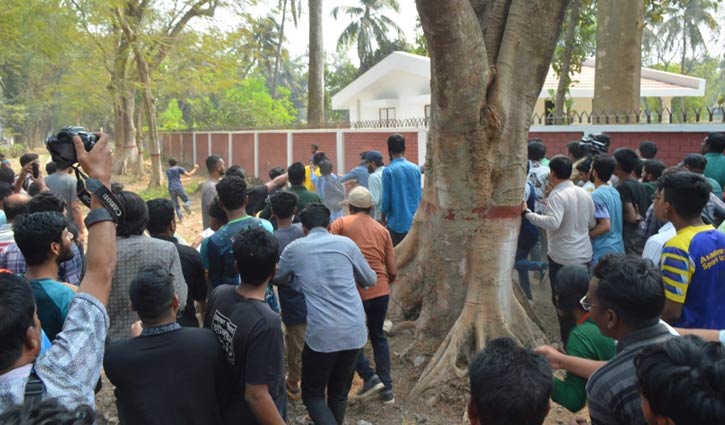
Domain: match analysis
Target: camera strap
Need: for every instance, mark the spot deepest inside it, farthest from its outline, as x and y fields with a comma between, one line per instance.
x=88, y=185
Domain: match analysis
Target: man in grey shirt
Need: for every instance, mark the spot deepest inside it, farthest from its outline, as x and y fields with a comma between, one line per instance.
x=215, y=167
x=326, y=267
x=567, y=219
x=64, y=185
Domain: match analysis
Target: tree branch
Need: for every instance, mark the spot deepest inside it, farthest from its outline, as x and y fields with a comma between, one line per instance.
x=197, y=9
x=494, y=27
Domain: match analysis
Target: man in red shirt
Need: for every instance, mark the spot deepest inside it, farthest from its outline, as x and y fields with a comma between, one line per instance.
x=376, y=245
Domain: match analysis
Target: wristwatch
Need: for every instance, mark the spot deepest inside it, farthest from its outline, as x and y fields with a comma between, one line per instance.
x=97, y=215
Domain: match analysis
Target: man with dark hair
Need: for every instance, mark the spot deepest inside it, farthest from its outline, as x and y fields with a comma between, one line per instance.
x=377, y=247
x=647, y=149
x=70, y=368
x=358, y=174
x=257, y=195
x=312, y=171
x=45, y=242
x=522, y=382
x=335, y=316
x=568, y=216
x=375, y=166
x=14, y=206
x=692, y=262
x=164, y=352
x=538, y=172
x=330, y=189
x=250, y=333
x=681, y=382
x=291, y=299
x=585, y=341
x=232, y=193
x=64, y=184
x=71, y=270
x=5, y=191
x=651, y=171
x=696, y=163
x=607, y=234
x=29, y=162
x=713, y=147
x=576, y=156
x=401, y=190
x=7, y=175
x=634, y=200
x=625, y=298
x=215, y=168
x=176, y=189
x=136, y=251
x=162, y=225
x=313, y=151
x=296, y=173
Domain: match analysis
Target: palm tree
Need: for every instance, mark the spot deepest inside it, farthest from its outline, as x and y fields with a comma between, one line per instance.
x=684, y=26
x=369, y=27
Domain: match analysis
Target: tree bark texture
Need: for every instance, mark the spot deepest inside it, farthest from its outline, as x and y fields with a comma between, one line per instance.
x=489, y=60
x=618, y=59
x=316, y=68
x=564, y=77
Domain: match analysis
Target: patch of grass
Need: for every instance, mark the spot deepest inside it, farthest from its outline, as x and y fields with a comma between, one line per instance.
x=154, y=192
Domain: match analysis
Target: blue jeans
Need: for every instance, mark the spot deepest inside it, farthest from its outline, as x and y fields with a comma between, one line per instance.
x=175, y=195
x=327, y=371
x=375, y=310
x=524, y=246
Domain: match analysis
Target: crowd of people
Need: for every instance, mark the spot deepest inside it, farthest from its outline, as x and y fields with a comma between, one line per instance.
x=274, y=300
x=277, y=297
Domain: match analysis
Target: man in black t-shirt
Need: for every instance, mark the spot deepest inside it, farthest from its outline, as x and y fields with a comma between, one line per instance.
x=251, y=334
x=162, y=226
x=166, y=374
x=634, y=200
x=257, y=195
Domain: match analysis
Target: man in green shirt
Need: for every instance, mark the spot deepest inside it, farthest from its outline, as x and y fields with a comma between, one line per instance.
x=585, y=341
x=713, y=147
x=296, y=178
x=696, y=163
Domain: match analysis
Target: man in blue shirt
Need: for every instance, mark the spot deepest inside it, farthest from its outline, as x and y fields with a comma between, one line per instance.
x=401, y=190
x=607, y=234
x=326, y=268
x=359, y=173
x=176, y=189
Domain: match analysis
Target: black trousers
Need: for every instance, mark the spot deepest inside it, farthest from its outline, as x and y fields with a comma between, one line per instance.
x=331, y=371
x=566, y=324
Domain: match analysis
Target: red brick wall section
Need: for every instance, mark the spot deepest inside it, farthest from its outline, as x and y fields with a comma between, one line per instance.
x=219, y=146
x=671, y=147
x=361, y=142
x=272, y=153
x=301, y=143
x=202, y=150
x=187, y=155
x=243, y=151
x=165, y=138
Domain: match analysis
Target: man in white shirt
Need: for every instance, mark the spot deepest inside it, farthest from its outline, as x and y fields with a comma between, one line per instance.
x=567, y=219
x=655, y=243
x=374, y=162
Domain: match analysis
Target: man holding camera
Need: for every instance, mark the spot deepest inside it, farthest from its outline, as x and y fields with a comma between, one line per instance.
x=70, y=368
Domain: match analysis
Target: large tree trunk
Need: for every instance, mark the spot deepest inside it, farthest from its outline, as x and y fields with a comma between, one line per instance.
x=157, y=174
x=316, y=69
x=564, y=77
x=126, y=153
x=618, y=60
x=140, y=171
x=488, y=64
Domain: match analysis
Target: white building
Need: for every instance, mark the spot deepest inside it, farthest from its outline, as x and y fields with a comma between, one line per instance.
x=398, y=87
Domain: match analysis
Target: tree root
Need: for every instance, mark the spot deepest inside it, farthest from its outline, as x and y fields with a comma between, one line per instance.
x=468, y=336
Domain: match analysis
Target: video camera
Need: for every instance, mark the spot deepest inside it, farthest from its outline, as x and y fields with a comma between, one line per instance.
x=61, y=147
x=594, y=144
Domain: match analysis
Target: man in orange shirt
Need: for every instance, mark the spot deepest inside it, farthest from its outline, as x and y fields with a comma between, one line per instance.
x=376, y=245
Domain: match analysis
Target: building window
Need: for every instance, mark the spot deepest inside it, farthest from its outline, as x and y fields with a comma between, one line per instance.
x=386, y=114
x=426, y=113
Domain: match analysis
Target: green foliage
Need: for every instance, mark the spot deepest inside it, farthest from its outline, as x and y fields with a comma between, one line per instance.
x=338, y=74
x=14, y=150
x=154, y=192
x=172, y=118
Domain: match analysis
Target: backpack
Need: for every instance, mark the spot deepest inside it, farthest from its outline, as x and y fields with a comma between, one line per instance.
x=334, y=192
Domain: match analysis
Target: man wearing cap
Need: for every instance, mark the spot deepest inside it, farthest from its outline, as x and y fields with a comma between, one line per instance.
x=376, y=245
x=374, y=164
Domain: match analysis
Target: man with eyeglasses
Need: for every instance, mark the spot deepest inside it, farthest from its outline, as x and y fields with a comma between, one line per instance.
x=625, y=299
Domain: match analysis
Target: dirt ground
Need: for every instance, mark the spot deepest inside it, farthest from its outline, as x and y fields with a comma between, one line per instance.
x=447, y=408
